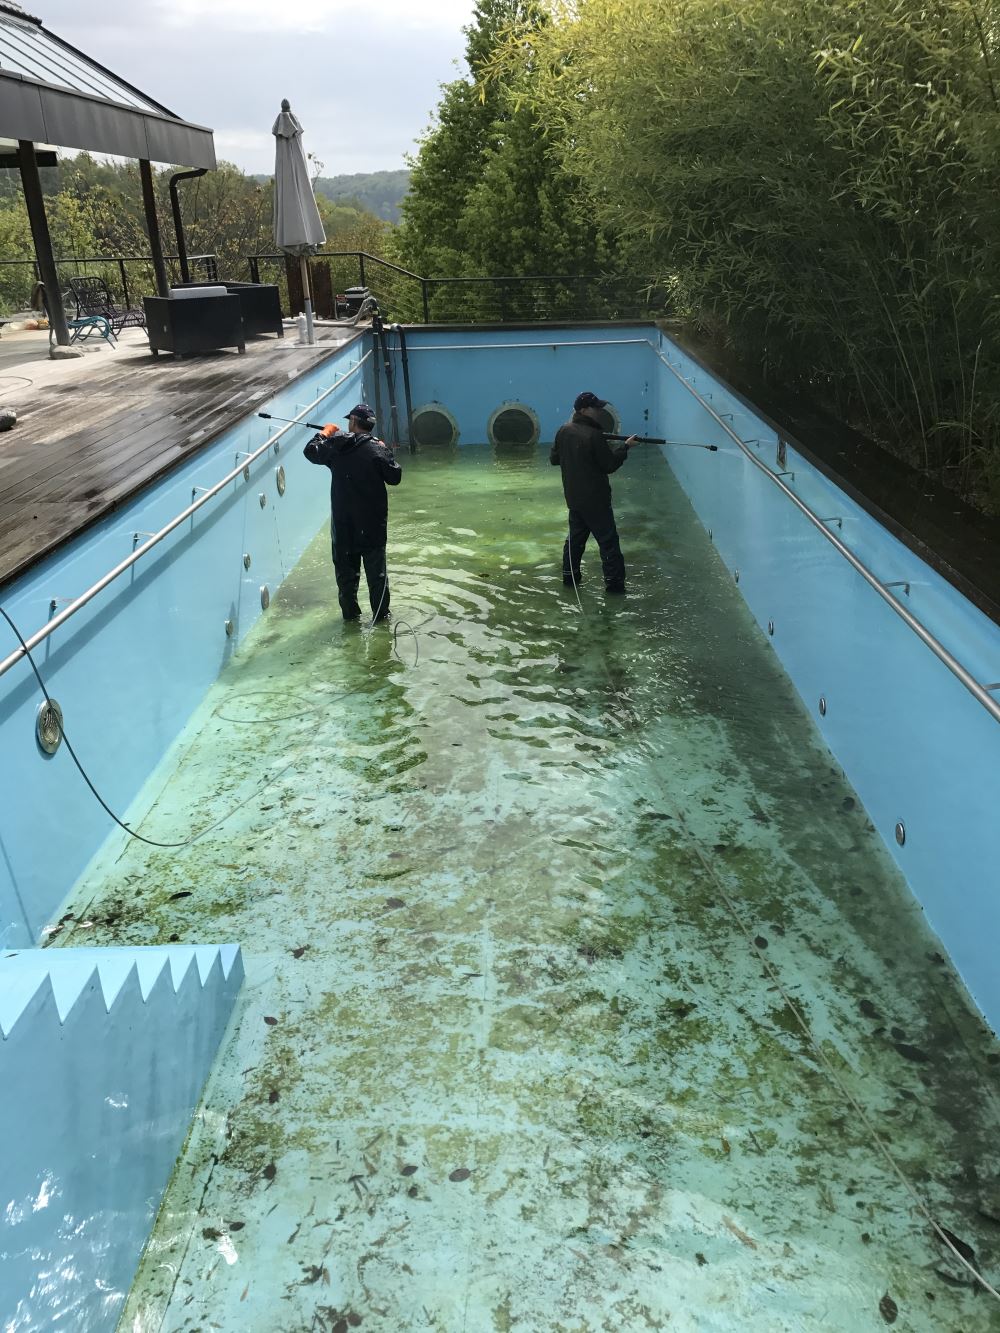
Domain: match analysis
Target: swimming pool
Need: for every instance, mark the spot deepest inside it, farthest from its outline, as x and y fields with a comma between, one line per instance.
x=531, y=900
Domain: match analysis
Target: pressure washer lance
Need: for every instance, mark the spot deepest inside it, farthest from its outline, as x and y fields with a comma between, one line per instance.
x=678, y=444
x=309, y=425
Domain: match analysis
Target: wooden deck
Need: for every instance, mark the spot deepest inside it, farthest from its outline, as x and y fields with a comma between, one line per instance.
x=93, y=432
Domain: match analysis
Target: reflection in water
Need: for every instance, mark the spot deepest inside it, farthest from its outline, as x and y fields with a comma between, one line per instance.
x=504, y=1058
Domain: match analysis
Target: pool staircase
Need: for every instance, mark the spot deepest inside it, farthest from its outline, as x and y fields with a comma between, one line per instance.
x=103, y=1057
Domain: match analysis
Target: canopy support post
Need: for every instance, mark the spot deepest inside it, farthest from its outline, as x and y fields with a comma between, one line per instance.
x=153, y=227
x=35, y=203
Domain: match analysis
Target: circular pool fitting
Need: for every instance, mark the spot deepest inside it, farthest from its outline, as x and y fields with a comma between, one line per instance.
x=265, y=597
x=262, y=499
x=513, y=424
x=246, y=472
x=434, y=427
x=736, y=575
x=247, y=562
x=822, y=706
x=280, y=480
x=229, y=629
x=48, y=726
x=901, y=833
x=770, y=628
x=611, y=422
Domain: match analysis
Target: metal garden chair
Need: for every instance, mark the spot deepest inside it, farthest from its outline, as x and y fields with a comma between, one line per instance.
x=93, y=297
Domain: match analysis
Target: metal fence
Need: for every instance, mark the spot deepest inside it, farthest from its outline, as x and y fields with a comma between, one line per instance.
x=402, y=295
x=130, y=277
x=410, y=298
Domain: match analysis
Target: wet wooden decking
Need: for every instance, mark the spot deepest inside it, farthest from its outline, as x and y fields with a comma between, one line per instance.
x=92, y=433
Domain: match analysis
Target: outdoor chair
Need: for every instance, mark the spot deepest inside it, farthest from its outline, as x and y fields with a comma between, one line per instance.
x=93, y=297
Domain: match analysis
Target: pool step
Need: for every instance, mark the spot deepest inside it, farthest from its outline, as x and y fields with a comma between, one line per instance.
x=108, y=1050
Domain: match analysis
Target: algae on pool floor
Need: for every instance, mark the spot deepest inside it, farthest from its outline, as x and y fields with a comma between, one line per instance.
x=504, y=1059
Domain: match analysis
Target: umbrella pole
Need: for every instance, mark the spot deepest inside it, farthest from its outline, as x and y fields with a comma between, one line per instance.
x=307, y=296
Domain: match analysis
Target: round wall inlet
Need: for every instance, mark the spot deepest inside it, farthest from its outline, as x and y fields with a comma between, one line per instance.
x=247, y=562
x=246, y=472
x=770, y=628
x=48, y=726
x=513, y=424
x=229, y=627
x=736, y=575
x=279, y=478
x=822, y=706
x=434, y=427
x=265, y=597
x=262, y=499
x=901, y=833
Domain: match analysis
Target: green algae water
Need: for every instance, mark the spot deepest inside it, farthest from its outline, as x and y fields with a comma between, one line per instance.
x=505, y=1057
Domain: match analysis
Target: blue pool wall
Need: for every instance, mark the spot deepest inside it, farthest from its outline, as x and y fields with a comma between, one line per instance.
x=916, y=745
x=130, y=667
x=542, y=368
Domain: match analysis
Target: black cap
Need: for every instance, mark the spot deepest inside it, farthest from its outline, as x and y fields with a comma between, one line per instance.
x=363, y=411
x=588, y=400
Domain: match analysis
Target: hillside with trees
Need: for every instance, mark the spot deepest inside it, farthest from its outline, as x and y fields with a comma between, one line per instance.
x=95, y=209
x=377, y=192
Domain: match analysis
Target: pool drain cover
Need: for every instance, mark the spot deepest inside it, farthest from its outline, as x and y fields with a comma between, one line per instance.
x=48, y=726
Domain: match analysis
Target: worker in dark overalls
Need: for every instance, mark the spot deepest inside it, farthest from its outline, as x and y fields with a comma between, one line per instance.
x=360, y=469
x=587, y=459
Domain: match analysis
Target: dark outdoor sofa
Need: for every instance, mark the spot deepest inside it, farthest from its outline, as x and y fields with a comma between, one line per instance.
x=185, y=325
x=260, y=304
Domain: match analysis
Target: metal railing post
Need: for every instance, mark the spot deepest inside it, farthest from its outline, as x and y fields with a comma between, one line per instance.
x=361, y=268
x=427, y=309
x=124, y=277
x=254, y=269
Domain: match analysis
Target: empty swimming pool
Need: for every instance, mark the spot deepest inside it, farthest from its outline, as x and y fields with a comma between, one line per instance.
x=532, y=901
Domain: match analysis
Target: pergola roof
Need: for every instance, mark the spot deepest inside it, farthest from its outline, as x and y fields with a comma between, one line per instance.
x=52, y=93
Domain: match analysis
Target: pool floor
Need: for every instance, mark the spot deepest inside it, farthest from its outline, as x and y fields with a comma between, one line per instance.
x=530, y=901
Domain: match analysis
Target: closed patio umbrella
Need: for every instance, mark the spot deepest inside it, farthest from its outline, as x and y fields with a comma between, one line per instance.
x=298, y=229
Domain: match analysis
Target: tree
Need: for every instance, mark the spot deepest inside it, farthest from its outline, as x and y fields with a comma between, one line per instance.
x=814, y=179
x=487, y=193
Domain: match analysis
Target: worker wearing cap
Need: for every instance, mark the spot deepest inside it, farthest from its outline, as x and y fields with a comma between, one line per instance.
x=587, y=459
x=360, y=469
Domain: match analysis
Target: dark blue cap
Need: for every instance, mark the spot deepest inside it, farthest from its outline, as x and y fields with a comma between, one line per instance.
x=588, y=400
x=363, y=411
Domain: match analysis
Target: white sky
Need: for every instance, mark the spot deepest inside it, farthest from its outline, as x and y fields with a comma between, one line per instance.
x=362, y=75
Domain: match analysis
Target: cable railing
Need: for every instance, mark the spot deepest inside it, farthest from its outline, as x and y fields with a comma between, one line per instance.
x=155, y=538
x=980, y=692
x=408, y=297
x=18, y=277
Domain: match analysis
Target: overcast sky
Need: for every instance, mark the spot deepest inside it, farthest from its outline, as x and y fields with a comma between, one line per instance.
x=362, y=75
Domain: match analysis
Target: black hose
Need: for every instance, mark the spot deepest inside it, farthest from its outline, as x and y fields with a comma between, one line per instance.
x=383, y=343
x=404, y=357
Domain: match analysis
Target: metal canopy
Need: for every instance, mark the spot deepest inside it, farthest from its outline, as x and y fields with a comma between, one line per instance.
x=52, y=93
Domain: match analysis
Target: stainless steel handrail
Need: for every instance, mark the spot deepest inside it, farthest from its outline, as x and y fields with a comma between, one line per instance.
x=51, y=626
x=977, y=690
x=537, y=346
